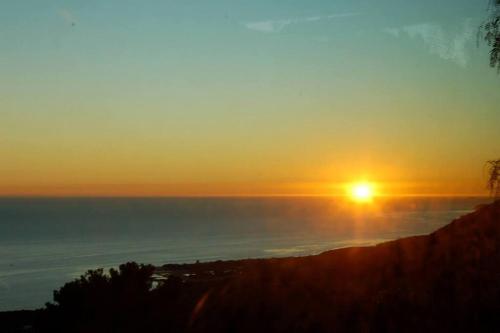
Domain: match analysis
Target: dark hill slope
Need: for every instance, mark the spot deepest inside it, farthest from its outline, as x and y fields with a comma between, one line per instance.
x=448, y=280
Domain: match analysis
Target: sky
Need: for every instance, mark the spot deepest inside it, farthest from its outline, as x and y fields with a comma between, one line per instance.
x=244, y=97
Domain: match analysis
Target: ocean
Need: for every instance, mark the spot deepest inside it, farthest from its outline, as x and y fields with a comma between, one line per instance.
x=45, y=242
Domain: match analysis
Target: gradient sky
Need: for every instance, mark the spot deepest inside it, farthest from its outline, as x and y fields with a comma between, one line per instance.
x=244, y=97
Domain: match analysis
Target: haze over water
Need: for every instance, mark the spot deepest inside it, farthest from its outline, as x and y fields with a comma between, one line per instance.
x=47, y=242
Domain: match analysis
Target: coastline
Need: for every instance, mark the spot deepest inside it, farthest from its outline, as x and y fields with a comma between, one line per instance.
x=424, y=272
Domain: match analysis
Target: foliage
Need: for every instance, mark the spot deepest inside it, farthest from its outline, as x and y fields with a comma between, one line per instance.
x=491, y=33
x=494, y=177
x=97, y=297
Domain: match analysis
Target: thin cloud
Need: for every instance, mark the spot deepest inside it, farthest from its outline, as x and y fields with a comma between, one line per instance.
x=67, y=16
x=268, y=26
x=395, y=32
x=271, y=26
x=439, y=42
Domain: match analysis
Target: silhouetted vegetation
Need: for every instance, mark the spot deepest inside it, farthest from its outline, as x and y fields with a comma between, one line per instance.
x=447, y=281
x=491, y=30
x=494, y=178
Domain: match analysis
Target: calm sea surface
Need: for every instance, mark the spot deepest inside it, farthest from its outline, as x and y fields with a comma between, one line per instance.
x=47, y=242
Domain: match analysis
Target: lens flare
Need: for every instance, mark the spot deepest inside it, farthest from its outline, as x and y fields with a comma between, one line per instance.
x=362, y=192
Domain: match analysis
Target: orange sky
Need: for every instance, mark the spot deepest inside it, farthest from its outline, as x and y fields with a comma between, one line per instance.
x=240, y=189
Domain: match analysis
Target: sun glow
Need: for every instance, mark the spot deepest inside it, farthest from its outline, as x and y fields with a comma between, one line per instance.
x=362, y=192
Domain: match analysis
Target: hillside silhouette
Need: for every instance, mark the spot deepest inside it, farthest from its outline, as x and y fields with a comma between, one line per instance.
x=446, y=281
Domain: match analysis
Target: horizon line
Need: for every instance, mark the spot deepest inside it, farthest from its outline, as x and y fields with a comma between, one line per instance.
x=207, y=196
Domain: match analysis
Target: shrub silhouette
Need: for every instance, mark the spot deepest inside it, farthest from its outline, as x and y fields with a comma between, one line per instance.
x=490, y=30
x=494, y=178
x=116, y=300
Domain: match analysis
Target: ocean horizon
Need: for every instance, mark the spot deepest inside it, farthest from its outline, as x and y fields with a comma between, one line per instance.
x=45, y=242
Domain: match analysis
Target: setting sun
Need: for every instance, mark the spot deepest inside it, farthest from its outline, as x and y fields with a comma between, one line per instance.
x=362, y=192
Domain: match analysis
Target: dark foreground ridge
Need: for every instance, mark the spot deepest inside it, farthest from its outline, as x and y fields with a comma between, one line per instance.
x=446, y=281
